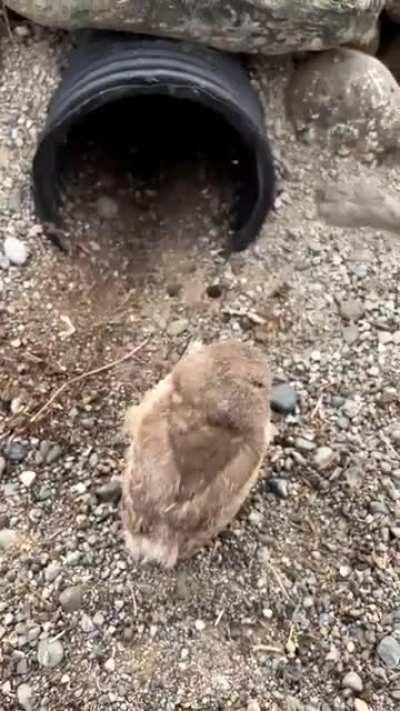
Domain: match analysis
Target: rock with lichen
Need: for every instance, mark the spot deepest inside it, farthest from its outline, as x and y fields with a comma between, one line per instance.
x=256, y=26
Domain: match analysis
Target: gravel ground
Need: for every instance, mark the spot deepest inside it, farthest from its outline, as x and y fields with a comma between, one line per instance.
x=297, y=606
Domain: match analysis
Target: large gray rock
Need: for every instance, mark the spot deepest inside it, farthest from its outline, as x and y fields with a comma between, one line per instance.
x=346, y=100
x=265, y=26
x=363, y=203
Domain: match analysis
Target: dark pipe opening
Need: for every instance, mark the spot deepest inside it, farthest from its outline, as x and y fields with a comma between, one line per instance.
x=150, y=141
x=153, y=105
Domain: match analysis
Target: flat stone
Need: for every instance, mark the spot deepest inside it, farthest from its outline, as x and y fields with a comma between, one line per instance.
x=352, y=681
x=389, y=651
x=50, y=653
x=15, y=251
x=71, y=599
x=284, y=399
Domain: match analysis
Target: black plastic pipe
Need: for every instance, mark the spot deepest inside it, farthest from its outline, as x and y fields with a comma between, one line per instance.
x=108, y=67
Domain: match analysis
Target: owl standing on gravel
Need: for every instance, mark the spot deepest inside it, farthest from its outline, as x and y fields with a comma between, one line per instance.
x=197, y=442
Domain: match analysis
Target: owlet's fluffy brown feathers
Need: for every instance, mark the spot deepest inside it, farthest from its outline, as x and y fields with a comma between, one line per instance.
x=196, y=445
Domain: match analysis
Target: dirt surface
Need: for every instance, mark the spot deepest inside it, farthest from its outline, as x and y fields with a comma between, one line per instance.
x=288, y=609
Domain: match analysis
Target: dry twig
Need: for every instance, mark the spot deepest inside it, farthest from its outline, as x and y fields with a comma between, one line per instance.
x=83, y=376
x=4, y=14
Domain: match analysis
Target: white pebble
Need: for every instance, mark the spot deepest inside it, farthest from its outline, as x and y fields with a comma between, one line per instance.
x=360, y=705
x=344, y=571
x=24, y=696
x=199, y=625
x=15, y=251
x=50, y=653
x=324, y=458
x=384, y=337
x=27, y=478
x=352, y=681
x=109, y=665
x=253, y=705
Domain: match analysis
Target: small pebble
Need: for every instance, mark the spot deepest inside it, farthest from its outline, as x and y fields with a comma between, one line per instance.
x=279, y=487
x=253, y=705
x=50, y=653
x=109, y=665
x=87, y=625
x=53, y=454
x=110, y=492
x=107, y=208
x=283, y=399
x=176, y=328
x=324, y=458
x=71, y=599
x=389, y=651
x=16, y=453
x=27, y=478
x=351, y=408
x=304, y=445
x=22, y=31
x=384, y=337
x=360, y=705
x=351, y=310
x=24, y=696
x=352, y=681
x=350, y=334
x=8, y=539
x=22, y=666
x=73, y=557
x=15, y=251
